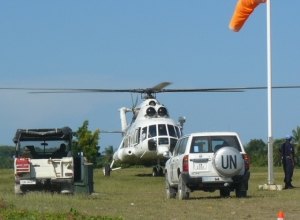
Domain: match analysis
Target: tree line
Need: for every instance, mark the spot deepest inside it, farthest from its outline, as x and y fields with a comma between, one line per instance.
x=257, y=150
x=87, y=142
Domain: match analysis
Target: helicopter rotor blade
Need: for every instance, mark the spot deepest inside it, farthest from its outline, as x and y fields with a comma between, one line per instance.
x=160, y=86
x=156, y=89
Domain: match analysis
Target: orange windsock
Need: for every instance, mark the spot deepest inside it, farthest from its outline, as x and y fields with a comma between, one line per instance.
x=243, y=10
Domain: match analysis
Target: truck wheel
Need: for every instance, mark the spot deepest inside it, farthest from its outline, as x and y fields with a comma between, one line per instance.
x=106, y=170
x=18, y=189
x=182, y=190
x=170, y=191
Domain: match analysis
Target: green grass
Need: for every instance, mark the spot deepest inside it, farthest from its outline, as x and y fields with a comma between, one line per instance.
x=135, y=194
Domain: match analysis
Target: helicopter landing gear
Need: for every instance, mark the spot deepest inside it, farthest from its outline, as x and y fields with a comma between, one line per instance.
x=157, y=171
x=106, y=170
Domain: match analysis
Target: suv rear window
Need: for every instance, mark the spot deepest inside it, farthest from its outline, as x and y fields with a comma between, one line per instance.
x=209, y=144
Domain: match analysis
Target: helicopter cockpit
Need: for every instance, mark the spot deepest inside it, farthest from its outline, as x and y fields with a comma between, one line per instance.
x=160, y=134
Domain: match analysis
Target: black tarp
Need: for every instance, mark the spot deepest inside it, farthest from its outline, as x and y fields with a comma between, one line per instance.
x=64, y=133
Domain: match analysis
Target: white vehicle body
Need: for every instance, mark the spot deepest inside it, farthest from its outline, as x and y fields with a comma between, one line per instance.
x=207, y=161
x=39, y=165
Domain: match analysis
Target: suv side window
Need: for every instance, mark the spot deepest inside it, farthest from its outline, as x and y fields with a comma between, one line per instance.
x=182, y=146
x=177, y=147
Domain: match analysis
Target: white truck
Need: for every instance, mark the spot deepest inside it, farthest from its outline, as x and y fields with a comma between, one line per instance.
x=44, y=161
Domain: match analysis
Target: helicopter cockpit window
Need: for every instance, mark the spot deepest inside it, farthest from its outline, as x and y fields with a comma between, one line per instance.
x=152, y=131
x=162, y=130
x=171, y=130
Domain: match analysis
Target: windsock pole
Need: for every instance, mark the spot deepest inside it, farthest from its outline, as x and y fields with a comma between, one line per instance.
x=270, y=130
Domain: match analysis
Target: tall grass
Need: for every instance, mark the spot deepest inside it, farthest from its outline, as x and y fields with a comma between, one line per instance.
x=135, y=194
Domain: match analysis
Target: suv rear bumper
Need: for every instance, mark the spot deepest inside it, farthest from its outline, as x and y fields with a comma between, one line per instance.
x=187, y=179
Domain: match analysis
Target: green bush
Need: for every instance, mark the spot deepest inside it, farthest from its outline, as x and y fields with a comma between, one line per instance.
x=9, y=211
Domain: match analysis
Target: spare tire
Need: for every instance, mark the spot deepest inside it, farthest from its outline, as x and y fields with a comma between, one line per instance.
x=228, y=161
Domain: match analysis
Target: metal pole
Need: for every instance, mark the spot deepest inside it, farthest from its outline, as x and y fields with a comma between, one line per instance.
x=270, y=132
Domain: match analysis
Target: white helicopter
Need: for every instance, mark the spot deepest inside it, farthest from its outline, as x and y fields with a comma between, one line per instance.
x=151, y=132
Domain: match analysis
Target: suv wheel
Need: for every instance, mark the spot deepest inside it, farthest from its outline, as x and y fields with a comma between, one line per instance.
x=240, y=193
x=170, y=191
x=182, y=190
x=225, y=192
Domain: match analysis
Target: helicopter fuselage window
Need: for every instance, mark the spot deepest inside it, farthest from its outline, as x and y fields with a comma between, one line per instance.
x=152, y=131
x=162, y=130
x=144, y=132
x=126, y=142
x=137, y=136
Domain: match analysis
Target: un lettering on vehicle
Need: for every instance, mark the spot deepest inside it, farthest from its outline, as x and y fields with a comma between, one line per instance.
x=230, y=162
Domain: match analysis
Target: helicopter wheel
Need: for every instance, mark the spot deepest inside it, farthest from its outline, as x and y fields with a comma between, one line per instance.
x=106, y=170
x=161, y=172
x=157, y=171
x=154, y=172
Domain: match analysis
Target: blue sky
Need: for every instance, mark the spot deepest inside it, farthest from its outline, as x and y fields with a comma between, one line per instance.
x=138, y=44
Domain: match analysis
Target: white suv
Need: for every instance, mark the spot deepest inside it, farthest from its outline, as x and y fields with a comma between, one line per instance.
x=207, y=161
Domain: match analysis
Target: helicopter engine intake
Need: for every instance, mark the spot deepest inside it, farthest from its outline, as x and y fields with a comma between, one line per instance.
x=162, y=111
